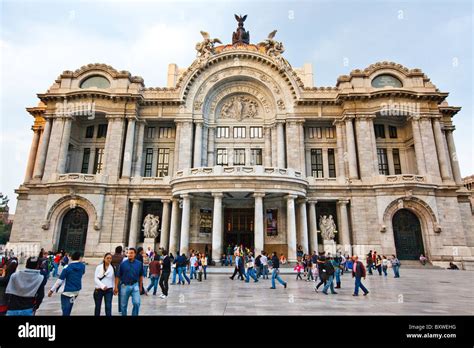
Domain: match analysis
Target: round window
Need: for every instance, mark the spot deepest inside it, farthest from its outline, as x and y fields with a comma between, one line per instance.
x=386, y=81
x=95, y=81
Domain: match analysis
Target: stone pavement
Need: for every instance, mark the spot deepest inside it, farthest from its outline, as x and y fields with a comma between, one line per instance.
x=417, y=292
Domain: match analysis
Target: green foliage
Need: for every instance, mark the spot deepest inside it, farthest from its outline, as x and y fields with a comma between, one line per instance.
x=5, y=232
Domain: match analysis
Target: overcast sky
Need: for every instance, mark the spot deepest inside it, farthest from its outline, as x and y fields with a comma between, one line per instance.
x=40, y=39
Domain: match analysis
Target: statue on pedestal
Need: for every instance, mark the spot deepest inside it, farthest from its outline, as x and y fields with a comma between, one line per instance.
x=240, y=35
x=327, y=226
x=150, y=226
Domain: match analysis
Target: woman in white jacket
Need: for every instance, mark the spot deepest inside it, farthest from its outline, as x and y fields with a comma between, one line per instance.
x=104, y=280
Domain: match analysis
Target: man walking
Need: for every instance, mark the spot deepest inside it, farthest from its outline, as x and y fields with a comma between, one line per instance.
x=72, y=275
x=117, y=259
x=165, y=274
x=276, y=271
x=130, y=276
x=358, y=272
x=181, y=262
x=329, y=268
x=238, y=267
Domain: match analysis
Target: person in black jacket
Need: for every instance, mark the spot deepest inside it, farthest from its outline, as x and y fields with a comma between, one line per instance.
x=329, y=270
x=165, y=274
x=276, y=271
x=239, y=266
x=321, y=261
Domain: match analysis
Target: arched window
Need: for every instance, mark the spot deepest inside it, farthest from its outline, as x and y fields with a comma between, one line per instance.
x=386, y=80
x=95, y=81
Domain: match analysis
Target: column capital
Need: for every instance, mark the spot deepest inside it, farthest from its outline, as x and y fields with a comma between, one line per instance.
x=136, y=200
x=302, y=200
x=290, y=197
x=185, y=195
x=312, y=201
x=166, y=201
x=343, y=202
x=199, y=122
x=450, y=128
x=259, y=194
x=217, y=194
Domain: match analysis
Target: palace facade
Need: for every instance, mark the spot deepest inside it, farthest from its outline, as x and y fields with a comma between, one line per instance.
x=240, y=147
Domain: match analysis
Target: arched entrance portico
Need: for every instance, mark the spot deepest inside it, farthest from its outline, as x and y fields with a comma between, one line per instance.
x=74, y=230
x=407, y=235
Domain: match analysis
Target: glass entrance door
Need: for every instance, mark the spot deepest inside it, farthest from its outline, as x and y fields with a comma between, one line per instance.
x=239, y=227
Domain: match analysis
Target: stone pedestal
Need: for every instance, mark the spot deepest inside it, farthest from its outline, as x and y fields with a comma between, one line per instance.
x=148, y=242
x=330, y=247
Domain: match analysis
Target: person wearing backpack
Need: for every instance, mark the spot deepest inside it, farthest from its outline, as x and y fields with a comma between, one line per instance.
x=330, y=271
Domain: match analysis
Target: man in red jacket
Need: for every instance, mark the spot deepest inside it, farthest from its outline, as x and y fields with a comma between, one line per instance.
x=358, y=271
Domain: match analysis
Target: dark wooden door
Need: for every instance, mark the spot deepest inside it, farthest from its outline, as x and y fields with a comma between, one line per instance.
x=407, y=233
x=74, y=231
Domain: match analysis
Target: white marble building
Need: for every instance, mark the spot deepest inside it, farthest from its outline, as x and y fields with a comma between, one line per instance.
x=240, y=147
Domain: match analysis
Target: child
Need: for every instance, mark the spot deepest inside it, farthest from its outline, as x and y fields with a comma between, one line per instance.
x=298, y=268
x=315, y=271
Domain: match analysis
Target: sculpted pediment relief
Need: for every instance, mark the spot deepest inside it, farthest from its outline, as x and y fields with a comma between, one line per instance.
x=239, y=107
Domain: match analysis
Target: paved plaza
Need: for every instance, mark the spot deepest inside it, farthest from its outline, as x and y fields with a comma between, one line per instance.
x=417, y=292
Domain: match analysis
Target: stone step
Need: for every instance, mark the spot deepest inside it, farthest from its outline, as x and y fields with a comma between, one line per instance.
x=415, y=264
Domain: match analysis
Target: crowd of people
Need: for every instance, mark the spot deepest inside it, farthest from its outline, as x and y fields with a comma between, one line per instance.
x=125, y=272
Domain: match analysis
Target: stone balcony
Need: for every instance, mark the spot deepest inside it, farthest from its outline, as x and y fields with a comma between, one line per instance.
x=245, y=178
x=80, y=178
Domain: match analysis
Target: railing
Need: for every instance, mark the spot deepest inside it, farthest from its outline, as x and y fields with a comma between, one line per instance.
x=79, y=177
x=239, y=171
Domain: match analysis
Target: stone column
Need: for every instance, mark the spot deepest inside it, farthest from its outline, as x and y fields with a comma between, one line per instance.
x=351, y=150
x=165, y=224
x=139, y=149
x=366, y=146
x=343, y=218
x=185, y=220
x=291, y=227
x=429, y=148
x=420, y=157
x=64, y=147
x=174, y=233
x=114, y=147
x=439, y=141
x=198, y=145
x=258, y=218
x=267, y=155
x=280, y=145
x=302, y=225
x=313, y=226
x=32, y=155
x=341, y=167
x=134, y=223
x=43, y=150
x=177, y=147
x=217, y=230
x=185, y=145
x=128, y=151
x=211, y=161
x=453, y=156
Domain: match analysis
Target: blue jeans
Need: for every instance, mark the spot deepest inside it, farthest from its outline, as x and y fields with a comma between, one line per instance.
x=134, y=292
x=229, y=260
x=153, y=283
x=20, y=313
x=338, y=275
x=384, y=269
x=182, y=274
x=250, y=274
x=145, y=271
x=204, y=268
x=66, y=304
x=192, y=270
x=358, y=284
x=276, y=275
x=175, y=272
x=55, y=269
x=396, y=271
x=329, y=284
x=265, y=272
x=107, y=296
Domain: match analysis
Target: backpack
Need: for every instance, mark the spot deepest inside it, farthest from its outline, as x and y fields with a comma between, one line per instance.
x=329, y=268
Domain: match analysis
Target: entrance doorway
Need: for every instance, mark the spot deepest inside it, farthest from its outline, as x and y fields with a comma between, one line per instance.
x=407, y=233
x=74, y=231
x=239, y=227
